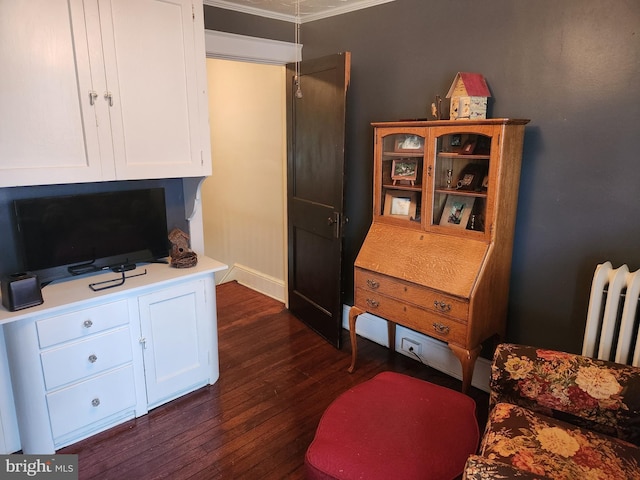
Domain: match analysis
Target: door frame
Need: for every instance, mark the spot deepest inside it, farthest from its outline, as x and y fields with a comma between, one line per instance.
x=242, y=48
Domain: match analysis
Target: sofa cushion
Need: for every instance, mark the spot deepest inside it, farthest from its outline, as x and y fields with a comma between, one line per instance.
x=482, y=468
x=594, y=394
x=549, y=447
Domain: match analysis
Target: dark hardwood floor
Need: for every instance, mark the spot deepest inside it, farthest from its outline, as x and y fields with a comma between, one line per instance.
x=276, y=379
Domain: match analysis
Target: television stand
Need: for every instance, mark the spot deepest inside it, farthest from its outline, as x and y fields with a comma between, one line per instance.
x=83, y=268
x=116, y=282
x=125, y=267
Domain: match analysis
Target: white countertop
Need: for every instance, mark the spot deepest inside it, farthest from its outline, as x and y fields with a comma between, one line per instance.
x=62, y=294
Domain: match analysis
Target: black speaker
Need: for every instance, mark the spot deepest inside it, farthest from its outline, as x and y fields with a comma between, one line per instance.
x=21, y=290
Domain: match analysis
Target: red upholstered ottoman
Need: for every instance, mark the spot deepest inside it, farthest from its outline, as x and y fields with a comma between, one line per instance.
x=394, y=427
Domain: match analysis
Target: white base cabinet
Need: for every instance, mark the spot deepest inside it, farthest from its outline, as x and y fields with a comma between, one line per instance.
x=176, y=341
x=80, y=367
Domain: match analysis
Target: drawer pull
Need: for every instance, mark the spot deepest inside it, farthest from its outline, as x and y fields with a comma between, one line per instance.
x=92, y=358
x=373, y=303
x=440, y=328
x=442, y=306
x=372, y=284
x=95, y=402
x=88, y=324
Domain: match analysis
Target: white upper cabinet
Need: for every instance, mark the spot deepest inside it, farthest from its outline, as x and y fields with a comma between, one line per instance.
x=100, y=90
x=155, y=69
x=48, y=130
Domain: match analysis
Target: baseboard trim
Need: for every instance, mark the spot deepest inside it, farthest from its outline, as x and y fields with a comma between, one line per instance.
x=436, y=354
x=255, y=280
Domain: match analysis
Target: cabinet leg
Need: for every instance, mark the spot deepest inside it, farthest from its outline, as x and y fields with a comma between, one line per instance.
x=391, y=329
x=468, y=361
x=353, y=316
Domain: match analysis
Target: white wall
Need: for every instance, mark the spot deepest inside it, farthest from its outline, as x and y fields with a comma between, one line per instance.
x=243, y=202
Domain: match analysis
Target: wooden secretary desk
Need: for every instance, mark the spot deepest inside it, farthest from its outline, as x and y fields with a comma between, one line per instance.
x=437, y=257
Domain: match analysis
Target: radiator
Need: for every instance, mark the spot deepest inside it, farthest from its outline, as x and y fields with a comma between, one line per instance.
x=611, y=332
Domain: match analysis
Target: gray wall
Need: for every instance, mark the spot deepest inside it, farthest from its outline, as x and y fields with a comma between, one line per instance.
x=572, y=67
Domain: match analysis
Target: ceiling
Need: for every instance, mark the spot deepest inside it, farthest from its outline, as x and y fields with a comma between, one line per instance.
x=286, y=9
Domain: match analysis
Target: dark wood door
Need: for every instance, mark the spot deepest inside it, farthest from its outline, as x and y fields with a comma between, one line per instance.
x=315, y=183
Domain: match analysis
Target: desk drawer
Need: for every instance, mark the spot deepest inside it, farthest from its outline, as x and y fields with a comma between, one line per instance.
x=78, y=360
x=426, y=298
x=88, y=402
x=81, y=323
x=415, y=318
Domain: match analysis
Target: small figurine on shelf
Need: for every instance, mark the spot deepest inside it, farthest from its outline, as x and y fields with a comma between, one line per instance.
x=436, y=108
x=449, y=178
x=181, y=255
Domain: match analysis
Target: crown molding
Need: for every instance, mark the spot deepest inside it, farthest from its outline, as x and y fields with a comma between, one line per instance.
x=292, y=18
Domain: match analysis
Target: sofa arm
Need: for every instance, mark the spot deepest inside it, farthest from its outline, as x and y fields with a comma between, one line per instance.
x=481, y=468
x=594, y=394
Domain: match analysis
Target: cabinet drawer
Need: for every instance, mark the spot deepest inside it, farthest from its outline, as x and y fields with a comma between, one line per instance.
x=88, y=357
x=415, y=318
x=411, y=293
x=88, y=402
x=81, y=323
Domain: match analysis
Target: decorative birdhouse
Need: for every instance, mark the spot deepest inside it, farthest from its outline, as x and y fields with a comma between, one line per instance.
x=468, y=94
x=181, y=255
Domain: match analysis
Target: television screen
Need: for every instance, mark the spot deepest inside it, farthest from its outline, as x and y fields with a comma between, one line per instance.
x=70, y=235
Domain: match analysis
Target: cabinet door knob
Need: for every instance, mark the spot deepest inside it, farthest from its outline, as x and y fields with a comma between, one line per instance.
x=95, y=402
x=92, y=358
x=108, y=96
x=88, y=324
x=442, y=306
x=92, y=97
x=372, y=283
x=373, y=303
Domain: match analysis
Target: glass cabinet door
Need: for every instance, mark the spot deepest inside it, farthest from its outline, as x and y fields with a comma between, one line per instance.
x=461, y=182
x=400, y=177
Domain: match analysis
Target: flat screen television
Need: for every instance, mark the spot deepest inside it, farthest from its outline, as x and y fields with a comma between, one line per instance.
x=76, y=234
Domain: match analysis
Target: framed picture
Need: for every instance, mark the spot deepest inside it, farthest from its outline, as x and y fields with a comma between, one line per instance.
x=410, y=143
x=471, y=177
x=400, y=204
x=468, y=148
x=404, y=170
x=457, y=211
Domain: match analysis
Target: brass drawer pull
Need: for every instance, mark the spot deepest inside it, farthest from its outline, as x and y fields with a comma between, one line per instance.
x=372, y=284
x=442, y=306
x=440, y=328
x=373, y=303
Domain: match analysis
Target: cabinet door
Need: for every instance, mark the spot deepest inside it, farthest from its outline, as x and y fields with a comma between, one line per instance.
x=464, y=181
x=155, y=68
x=399, y=176
x=48, y=127
x=175, y=331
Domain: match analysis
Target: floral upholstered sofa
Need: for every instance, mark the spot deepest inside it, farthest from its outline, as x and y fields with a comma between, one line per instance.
x=559, y=416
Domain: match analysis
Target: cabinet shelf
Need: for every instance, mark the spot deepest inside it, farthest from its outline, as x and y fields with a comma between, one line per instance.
x=462, y=193
x=419, y=154
x=461, y=156
x=411, y=188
